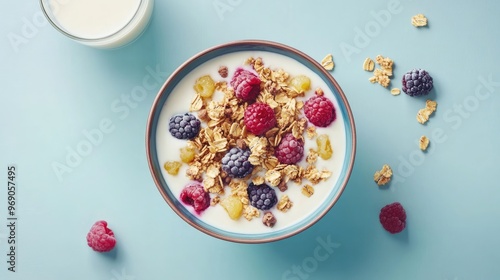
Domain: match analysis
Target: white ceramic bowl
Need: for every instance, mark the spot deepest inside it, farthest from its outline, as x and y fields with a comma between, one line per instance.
x=156, y=126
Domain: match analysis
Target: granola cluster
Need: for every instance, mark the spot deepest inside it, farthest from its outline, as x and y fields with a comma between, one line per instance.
x=224, y=128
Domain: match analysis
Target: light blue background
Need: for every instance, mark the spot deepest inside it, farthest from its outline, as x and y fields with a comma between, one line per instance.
x=53, y=89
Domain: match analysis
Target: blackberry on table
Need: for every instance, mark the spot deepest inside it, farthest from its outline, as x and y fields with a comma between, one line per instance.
x=417, y=82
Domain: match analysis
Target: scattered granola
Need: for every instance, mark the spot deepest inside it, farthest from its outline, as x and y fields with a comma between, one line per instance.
x=224, y=129
x=307, y=190
x=424, y=114
x=284, y=204
x=223, y=71
x=424, y=143
x=368, y=64
x=384, y=73
x=419, y=20
x=383, y=176
x=327, y=62
x=395, y=91
x=268, y=219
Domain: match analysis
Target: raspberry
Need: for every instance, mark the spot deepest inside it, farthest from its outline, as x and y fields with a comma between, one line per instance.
x=319, y=111
x=235, y=163
x=259, y=118
x=290, y=150
x=195, y=195
x=246, y=84
x=393, y=217
x=100, y=237
x=184, y=126
x=262, y=196
x=417, y=82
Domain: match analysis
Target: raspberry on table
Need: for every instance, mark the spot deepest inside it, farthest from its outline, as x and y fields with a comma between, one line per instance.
x=262, y=196
x=235, y=163
x=393, y=217
x=290, y=150
x=184, y=126
x=100, y=237
x=417, y=82
x=195, y=195
x=319, y=111
x=259, y=118
x=246, y=84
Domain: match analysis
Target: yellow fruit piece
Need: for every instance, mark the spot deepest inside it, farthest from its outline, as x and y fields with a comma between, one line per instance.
x=187, y=154
x=301, y=83
x=205, y=86
x=325, y=150
x=172, y=167
x=233, y=207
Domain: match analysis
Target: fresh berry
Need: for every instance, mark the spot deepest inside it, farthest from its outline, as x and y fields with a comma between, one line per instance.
x=205, y=86
x=195, y=195
x=262, y=197
x=100, y=237
x=393, y=217
x=235, y=163
x=319, y=111
x=290, y=150
x=259, y=118
x=417, y=82
x=246, y=84
x=184, y=126
x=233, y=206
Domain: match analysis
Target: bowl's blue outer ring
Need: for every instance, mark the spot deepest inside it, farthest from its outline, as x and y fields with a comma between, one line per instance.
x=249, y=45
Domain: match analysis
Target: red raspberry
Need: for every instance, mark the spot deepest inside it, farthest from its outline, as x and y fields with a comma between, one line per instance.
x=290, y=150
x=246, y=84
x=319, y=111
x=393, y=217
x=195, y=195
x=100, y=237
x=259, y=118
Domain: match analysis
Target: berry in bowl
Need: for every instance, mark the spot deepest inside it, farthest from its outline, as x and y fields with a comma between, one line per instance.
x=251, y=141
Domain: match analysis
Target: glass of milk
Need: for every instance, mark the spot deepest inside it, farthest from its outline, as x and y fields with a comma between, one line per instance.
x=99, y=23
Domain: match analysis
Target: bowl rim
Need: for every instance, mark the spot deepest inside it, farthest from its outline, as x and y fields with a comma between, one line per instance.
x=350, y=158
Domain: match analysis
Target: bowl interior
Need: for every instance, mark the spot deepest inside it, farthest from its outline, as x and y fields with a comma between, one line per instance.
x=240, y=46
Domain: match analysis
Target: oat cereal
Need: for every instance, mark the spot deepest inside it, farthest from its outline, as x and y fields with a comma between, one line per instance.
x=383, y=74
x=424, y=114
x=395, y=91
x=223, y=128
x=419, y=20
x=327, y=62
x=424, y=143
x=383, y=176
x=368, y=65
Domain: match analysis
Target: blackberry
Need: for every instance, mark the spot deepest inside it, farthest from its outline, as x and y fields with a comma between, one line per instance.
x=417, y=82
x=235, y=163
x=184, y=126
x=262, y=196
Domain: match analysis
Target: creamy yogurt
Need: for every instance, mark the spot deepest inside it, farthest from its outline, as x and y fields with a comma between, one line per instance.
x=168, y=146
x=100, y=23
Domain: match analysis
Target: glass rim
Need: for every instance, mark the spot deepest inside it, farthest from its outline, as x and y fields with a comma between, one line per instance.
x=48, y=15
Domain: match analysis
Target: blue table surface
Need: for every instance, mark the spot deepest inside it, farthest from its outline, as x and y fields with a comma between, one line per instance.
x=55, y=92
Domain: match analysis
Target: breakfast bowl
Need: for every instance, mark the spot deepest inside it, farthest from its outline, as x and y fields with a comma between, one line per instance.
x=251, y=141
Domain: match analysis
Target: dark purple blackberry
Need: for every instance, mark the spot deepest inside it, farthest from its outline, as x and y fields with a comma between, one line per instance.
x=417, y=82
x=262, y=197
x=184, y=126
x=235, y=163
